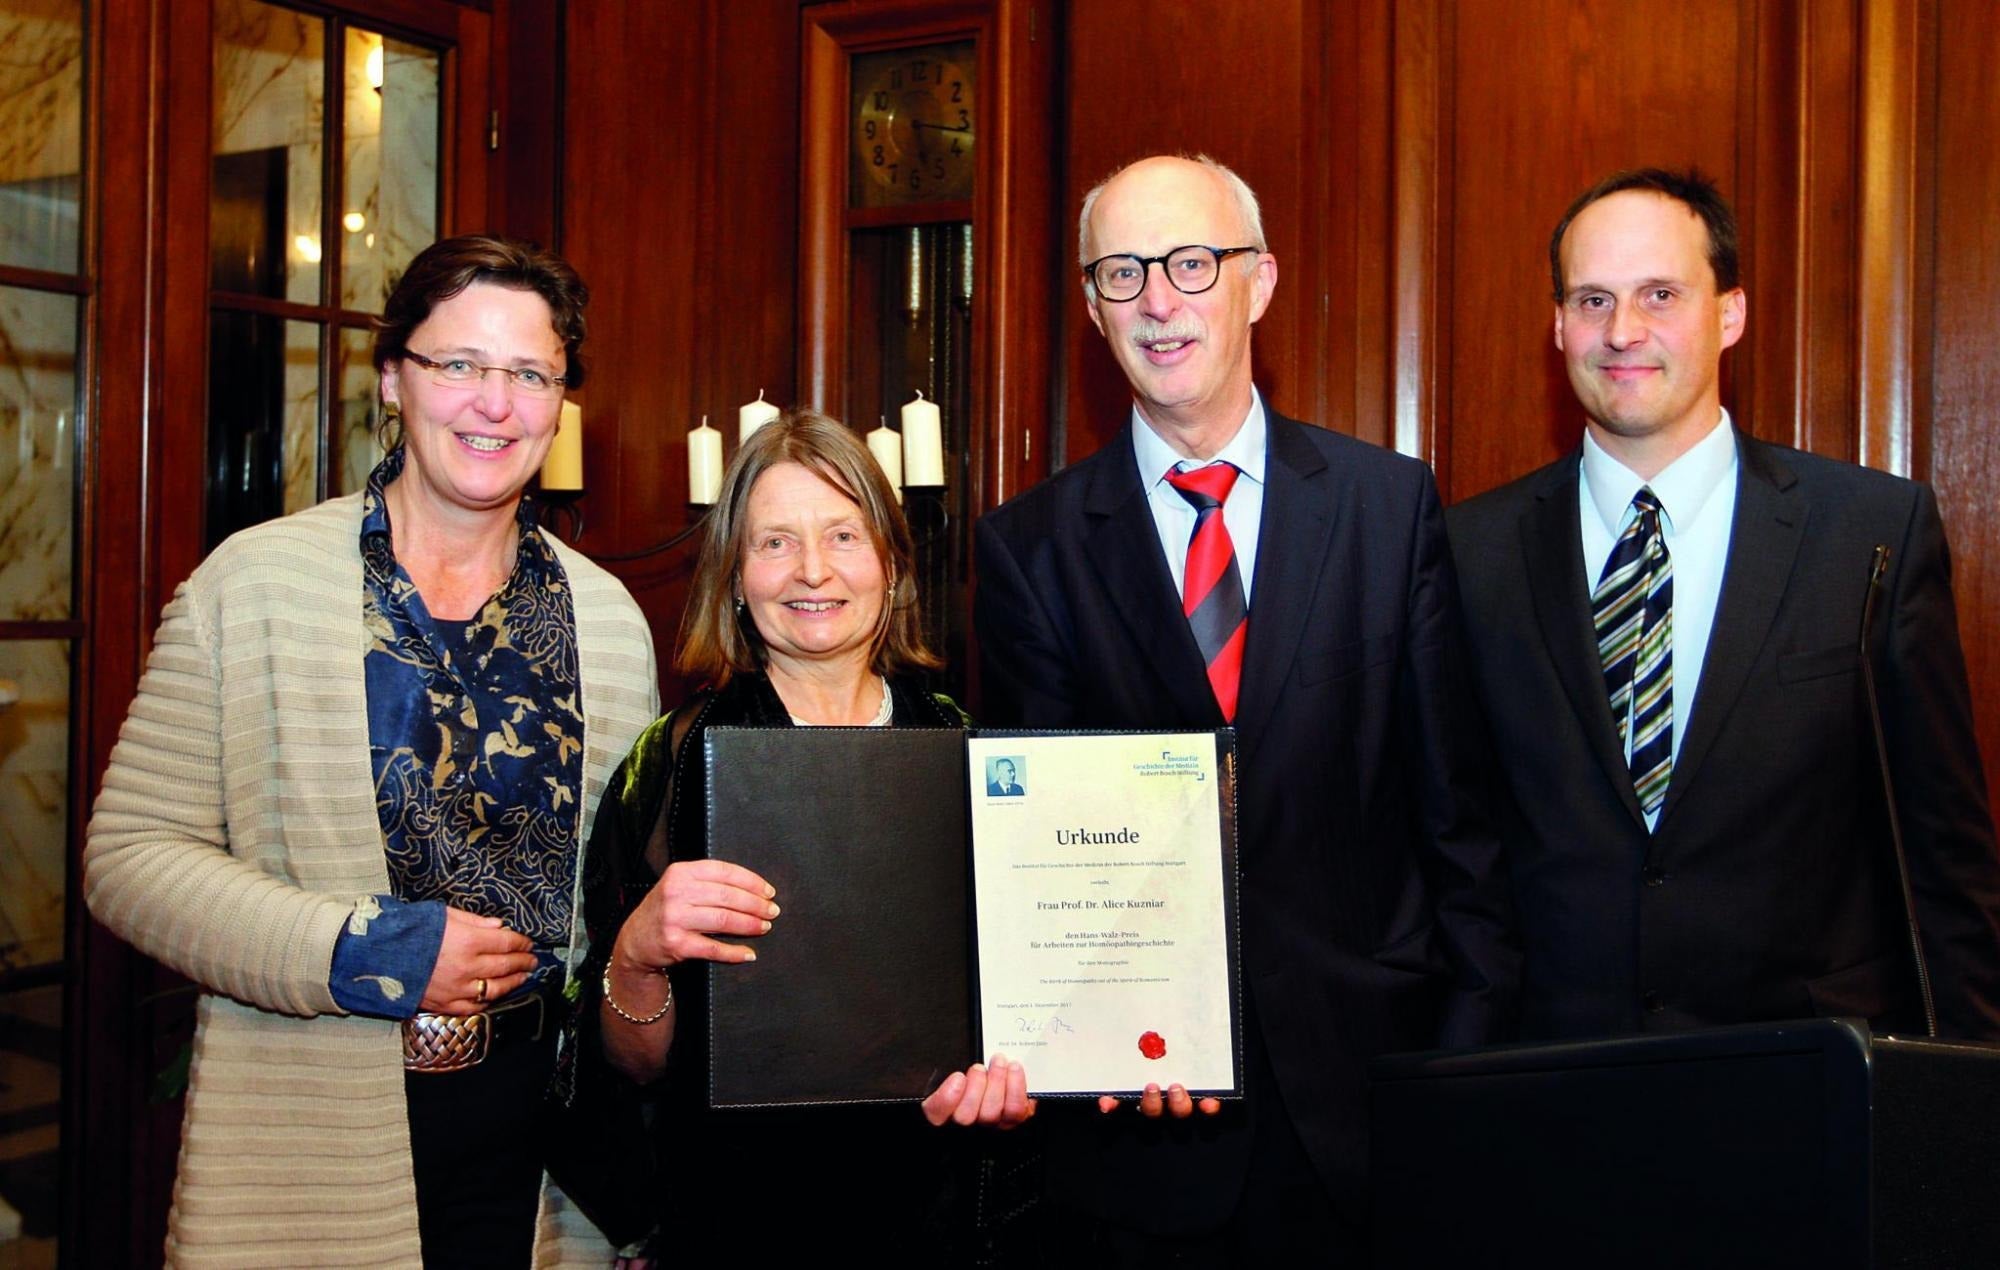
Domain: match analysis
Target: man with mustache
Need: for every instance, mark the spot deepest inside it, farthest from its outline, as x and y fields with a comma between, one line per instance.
x=1220, y=564
x=1667, y=630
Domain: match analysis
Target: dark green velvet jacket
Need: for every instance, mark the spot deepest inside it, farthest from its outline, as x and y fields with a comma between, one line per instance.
x=800, y=1180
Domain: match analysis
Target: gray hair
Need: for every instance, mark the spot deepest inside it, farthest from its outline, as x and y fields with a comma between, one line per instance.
x=1239, y=190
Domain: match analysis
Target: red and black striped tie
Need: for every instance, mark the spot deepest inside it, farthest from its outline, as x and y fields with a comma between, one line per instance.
x=1212, y=593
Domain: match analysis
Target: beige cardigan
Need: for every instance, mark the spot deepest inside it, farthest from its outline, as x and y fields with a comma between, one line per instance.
x=234, y=834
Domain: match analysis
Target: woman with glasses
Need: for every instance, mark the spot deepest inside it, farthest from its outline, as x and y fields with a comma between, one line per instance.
x=351, y=798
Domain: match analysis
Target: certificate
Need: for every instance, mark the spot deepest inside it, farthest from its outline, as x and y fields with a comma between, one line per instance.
x=1066, y=899
x=1104, y=871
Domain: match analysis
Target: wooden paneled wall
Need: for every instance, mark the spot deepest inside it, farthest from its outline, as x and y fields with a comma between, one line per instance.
x=1134, y=88
x=1411, y=157
x=1534, y=103
x=680, y=208
x=1957, y=382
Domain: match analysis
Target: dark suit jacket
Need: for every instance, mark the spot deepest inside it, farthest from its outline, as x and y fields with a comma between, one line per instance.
x=993, y=790
x=1373, y=918
x=1767, y=891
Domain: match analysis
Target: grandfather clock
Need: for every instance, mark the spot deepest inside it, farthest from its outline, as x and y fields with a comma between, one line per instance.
x=926, y=230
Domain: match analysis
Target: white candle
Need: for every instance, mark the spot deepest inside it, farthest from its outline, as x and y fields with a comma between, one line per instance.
x=923, y=444
x=887, y=448
x=704, y=465
x=562, y=466
x=754, y=416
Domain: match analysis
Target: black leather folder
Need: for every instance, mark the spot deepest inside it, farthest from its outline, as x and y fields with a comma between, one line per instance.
x=860, y=992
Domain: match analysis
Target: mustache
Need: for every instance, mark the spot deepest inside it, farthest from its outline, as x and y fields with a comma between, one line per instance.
x=1181, y=328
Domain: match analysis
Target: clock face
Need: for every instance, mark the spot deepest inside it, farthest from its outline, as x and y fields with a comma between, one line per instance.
x=913, y=116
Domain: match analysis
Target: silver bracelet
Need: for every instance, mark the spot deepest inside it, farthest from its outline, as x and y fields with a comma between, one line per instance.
x=654, y=1017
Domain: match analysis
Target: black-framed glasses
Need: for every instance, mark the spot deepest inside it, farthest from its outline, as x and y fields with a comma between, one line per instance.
x=1192, y=269
x=463, y=372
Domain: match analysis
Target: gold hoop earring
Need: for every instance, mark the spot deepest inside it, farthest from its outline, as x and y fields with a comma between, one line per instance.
x=389, y=432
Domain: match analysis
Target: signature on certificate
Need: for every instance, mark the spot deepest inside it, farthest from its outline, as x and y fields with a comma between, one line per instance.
x=1053, y=1025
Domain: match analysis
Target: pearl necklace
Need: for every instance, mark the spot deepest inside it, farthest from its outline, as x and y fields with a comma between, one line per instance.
x=882, y=715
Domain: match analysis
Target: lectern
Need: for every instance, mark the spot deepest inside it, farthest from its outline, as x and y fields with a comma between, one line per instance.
x=1795, y=1144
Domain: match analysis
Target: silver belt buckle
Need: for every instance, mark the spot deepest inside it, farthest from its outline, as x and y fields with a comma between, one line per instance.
x=445, y=1042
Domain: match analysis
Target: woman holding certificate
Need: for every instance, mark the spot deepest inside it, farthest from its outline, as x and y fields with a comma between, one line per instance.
x=803, y=612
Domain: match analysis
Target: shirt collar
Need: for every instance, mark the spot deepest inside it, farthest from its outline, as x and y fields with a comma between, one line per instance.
x=374, y=507
x=1683, y=486
x=1246, y=449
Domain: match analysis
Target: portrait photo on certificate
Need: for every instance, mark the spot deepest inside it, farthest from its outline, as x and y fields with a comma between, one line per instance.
x=1106, y=909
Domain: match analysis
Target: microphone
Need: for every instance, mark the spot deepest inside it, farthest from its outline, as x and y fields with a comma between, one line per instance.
x=1876, y=568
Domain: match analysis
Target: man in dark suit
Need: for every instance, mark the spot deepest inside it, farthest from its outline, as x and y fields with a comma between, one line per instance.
x=1003, y=785
x=1299, y=586
x=1667, y=631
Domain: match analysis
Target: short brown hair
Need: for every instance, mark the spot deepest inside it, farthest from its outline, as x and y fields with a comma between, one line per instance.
x=450, y=265
x=1691, y=189
x=717, y=641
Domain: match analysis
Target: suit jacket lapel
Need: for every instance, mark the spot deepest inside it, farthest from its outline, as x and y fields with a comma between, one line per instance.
x=1552, y=548
x=1124, y=547
x=1764, y=540
x=1292, y=541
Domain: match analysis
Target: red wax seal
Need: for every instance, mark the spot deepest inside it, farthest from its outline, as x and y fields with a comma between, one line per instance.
x=1153, y=1045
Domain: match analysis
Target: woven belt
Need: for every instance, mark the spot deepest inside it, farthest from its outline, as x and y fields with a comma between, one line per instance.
x=454, y=1042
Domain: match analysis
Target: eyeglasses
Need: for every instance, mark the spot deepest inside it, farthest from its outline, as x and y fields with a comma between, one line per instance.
x=462, y=372
x=1192, y=270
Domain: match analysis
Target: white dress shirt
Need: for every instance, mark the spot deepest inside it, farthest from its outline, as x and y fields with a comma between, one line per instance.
x=1174, y=516
x=1697, y=494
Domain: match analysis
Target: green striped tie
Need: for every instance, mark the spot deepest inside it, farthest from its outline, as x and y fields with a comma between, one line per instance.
x=1633, y=610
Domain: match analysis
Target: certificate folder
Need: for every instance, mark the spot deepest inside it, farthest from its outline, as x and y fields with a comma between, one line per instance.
x=1068, y=899
x=859, y=993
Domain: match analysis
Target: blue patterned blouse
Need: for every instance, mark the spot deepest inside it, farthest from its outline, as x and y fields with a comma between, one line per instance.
x=475, y=735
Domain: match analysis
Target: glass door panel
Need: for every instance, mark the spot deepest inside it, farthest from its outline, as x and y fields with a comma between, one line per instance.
x=34, y=793
x=37, y=453
x=276, y=442
x=270, y=107
x=42, y=291
x=390, y=208
x=263, y=439
x=41, y=131
x=357, y=444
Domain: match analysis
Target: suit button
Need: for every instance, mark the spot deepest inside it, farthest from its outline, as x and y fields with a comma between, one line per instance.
x=1653, y=876
x=1652, y=1002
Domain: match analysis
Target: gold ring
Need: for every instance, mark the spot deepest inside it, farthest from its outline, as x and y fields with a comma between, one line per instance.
x=480, y=995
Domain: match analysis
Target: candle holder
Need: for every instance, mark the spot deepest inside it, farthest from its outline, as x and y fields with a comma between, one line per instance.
x=552, y=506
x=699, y=512
x=929, y=514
